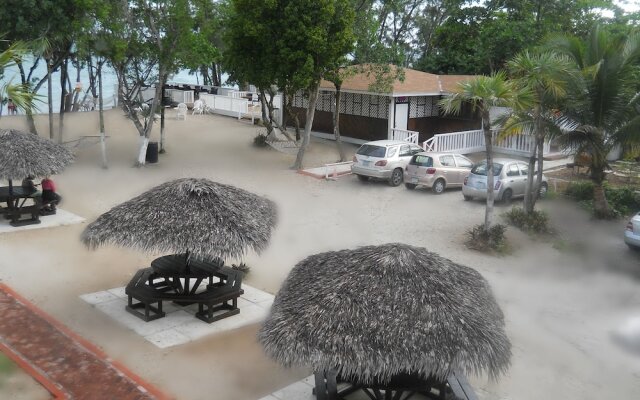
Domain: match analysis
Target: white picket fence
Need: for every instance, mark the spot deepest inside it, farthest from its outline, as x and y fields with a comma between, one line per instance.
x=473, y=141
x=226, y=105
x=404, y=135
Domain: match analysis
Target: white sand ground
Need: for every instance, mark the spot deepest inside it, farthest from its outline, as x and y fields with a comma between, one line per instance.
x=560, y=306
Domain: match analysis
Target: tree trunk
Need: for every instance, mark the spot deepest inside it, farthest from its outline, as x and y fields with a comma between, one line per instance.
x=162, y=82
x=536, y=194
x=63, y=96
x=75, y=106
x=50, y=99
x=488, y=140
x=271, y=135
x=336, y=123
x=103, y=145
x=528, y=203
x=142, y=151
x=600, y=204
x=25, y=81
x=311, y=110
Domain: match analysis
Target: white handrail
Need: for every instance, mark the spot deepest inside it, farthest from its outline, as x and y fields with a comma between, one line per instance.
x=405, y=135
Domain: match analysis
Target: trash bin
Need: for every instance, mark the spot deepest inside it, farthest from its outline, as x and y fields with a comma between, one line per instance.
x=152, y=153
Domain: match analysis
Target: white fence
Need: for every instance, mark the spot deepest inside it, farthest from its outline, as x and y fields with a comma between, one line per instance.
x=473, y=141
x=180, y=96
x=401, y=134
x=226, y=105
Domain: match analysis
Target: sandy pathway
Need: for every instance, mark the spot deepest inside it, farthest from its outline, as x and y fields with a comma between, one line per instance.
x=560, y=306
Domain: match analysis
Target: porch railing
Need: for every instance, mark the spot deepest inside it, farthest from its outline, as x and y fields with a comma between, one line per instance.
x=473, y=141
x=404, y=135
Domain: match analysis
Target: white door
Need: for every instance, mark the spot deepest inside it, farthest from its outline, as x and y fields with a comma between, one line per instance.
x=401, y=116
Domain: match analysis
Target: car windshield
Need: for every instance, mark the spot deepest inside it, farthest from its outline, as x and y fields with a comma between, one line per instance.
x=481, y=169
x=370, y=150
x=423, y=161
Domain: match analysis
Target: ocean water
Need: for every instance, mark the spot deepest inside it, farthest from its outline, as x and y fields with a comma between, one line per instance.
x=109, y=83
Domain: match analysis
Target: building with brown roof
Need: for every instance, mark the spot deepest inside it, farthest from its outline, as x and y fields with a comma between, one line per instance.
x=411, y=104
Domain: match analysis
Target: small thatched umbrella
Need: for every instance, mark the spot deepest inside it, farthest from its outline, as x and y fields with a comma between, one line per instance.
x=23, y=154
x=380, y=311
x=204, y=218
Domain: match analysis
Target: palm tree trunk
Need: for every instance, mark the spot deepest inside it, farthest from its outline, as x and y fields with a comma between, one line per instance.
x=336, y=123
x=103, y=145
x=536, y=195
x=488, y=140
x=528, y=201
x=50, y=99
x=600, y=205
x=311, y=110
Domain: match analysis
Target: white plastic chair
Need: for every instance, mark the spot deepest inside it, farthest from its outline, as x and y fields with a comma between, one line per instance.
x=182, y=111
x=198, y=107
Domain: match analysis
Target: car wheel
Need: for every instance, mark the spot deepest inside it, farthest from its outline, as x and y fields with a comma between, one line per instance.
x=396, y=177
x=410, y=186
x=632, y=247
x=467, y=198
x=363, y=178
x=506, y=196
x=438, y=186
x=543, y=190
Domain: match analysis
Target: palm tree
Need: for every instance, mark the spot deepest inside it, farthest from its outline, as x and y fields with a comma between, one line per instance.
x=601, y=112
x=21, y=96
x=545, y=75
x=481, y=94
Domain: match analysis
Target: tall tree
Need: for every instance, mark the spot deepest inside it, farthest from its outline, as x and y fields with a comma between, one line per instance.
x=546, y=75
x=602, y=109
x=20, y=95
x=481, y=94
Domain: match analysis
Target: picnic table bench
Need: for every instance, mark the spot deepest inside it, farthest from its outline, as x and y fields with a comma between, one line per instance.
x=148, y=289
x=331, y=386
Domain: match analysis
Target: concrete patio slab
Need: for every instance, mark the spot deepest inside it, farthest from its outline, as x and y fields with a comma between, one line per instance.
x=180, y=325
x=61, y=218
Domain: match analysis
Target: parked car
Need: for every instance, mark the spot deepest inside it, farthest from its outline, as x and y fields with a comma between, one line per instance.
x=510, y=179
x=632, y=232
x=383, y=159
x=437, y=171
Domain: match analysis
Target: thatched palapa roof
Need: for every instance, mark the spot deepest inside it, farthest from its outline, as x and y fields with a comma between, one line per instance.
x=23, y=154
x=378, y=311
x=206, y=218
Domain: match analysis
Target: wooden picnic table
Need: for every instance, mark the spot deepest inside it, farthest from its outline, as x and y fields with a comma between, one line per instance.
x=174, y=269
x=15, y=198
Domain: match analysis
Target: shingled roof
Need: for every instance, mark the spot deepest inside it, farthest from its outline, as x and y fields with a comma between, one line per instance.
x=415, y=83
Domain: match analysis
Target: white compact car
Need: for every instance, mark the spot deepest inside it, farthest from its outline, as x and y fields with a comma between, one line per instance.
x=632, y=232
x=384, y=159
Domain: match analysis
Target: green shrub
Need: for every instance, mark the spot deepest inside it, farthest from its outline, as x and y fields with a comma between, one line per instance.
x=580, y=190
x=260, y=140
x=622, y=200
x=536, y=222
x=481, y=240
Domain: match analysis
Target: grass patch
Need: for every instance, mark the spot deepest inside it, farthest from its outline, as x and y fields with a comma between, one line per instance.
x=487, y=242
x=536, y=222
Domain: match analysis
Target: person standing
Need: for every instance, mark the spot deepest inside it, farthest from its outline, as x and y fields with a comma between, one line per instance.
x=11, y=106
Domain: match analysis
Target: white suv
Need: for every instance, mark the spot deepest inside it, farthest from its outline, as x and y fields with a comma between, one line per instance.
x=383, y=159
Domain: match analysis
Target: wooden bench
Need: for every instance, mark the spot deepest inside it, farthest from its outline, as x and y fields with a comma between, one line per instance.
x=217, y=297
x=15, y=215
x=330, y=385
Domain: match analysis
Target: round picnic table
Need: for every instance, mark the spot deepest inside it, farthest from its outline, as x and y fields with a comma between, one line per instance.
x=174, y=268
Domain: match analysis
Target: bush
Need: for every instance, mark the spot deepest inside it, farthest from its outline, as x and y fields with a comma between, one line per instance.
x=622, y=200
x=260, y=140
x=580, y=190
x=484, y=241
x=536, y=222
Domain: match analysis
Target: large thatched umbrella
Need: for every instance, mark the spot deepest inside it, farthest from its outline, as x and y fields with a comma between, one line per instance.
x=23, y=154
x=380, y=311
x=204, y=218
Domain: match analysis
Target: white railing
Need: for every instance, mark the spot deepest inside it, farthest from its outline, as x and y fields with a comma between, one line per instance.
x=225, y=105
x=236, y=94
x=473, y=141
x=180, y=96
x=404, y=135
